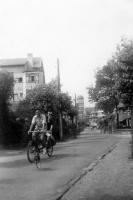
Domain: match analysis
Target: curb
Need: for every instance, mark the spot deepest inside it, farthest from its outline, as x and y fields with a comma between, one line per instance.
x=84, y=172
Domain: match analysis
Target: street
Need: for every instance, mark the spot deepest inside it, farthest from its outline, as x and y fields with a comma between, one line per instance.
x=21, y=180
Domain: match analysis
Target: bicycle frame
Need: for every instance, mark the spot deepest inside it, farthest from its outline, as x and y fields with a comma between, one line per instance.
x=35, y=142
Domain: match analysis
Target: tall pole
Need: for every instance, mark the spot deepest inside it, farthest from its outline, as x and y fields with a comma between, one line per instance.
x=59, y=91
x=76, y=110
x=58, y=75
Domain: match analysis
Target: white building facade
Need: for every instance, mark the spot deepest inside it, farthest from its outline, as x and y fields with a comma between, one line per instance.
x=27, y=72
x=80, y=106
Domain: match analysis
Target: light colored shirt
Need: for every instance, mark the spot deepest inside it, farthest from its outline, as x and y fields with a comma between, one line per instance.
x=39, y=120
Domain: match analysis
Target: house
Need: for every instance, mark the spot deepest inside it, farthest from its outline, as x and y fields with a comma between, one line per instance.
x=27, y=72
x=80, y=106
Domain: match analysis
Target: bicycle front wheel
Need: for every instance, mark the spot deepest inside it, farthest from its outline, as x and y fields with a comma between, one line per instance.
x=30, y=152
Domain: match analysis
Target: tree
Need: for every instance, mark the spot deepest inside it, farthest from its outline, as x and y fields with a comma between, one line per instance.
x=6, y=93
x=45, y=98
x=116, y=80
x=104, y=93
x=124, y=57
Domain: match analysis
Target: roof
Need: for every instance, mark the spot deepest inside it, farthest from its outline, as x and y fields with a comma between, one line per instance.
x=19, y=62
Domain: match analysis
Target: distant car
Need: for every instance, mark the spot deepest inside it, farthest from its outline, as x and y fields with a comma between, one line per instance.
x=93, y=125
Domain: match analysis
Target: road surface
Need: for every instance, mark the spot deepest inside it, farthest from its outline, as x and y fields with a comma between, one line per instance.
x=20, y=180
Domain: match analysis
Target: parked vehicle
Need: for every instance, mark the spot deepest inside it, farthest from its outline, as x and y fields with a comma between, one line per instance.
x=93, y=124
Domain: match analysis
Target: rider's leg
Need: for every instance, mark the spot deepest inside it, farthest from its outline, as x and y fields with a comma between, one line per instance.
x=44, y=142
x=33, y=139
x=43, y=139
x=48, y=138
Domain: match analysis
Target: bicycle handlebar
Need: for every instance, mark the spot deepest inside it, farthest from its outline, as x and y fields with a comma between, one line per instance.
x=40, y=131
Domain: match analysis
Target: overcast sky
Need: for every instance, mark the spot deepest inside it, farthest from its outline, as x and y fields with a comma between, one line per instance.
x=83, y=34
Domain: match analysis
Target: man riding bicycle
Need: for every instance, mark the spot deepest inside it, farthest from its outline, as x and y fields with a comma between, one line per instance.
x=38, y=123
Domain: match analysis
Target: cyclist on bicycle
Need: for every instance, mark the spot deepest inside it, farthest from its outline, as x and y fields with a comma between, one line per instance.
x=50, y=125
x=38, y=123
x=49, y=121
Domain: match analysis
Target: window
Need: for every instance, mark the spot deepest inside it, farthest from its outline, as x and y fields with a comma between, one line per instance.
x=21, y=95
x=15, y=97
x=20, y=80
x=32, y=78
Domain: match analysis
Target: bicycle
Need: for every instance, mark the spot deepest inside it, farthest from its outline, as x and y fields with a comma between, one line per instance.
x=35, y=147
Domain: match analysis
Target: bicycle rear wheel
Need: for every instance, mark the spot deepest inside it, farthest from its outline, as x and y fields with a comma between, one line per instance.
x=30, y=152
x=49, y=148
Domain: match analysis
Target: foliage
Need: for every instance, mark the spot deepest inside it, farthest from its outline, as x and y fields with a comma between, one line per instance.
x=46, y=98
x=72, y=112
x=125, y=82
x=6, y=93
x=114, y=82
x=6, y=86
x=104, y=93
x=124, y=56
x=118, y=79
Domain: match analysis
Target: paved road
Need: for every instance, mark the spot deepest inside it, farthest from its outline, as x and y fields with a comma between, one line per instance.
x=110, y=179
x=22, y=180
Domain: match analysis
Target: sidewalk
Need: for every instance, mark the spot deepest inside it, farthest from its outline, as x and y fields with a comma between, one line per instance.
x=111, y=178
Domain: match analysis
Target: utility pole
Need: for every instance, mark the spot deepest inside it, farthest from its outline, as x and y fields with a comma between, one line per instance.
x=76, y=110
x=59, y=91
x=75, y=101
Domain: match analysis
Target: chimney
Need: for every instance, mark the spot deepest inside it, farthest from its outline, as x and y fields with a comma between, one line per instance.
x=30, y=59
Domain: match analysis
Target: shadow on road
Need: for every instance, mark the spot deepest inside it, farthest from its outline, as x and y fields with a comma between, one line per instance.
x=24, y=162
x=14, y=164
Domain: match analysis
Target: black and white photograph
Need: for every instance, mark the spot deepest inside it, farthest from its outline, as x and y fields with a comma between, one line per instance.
x=66, y=100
